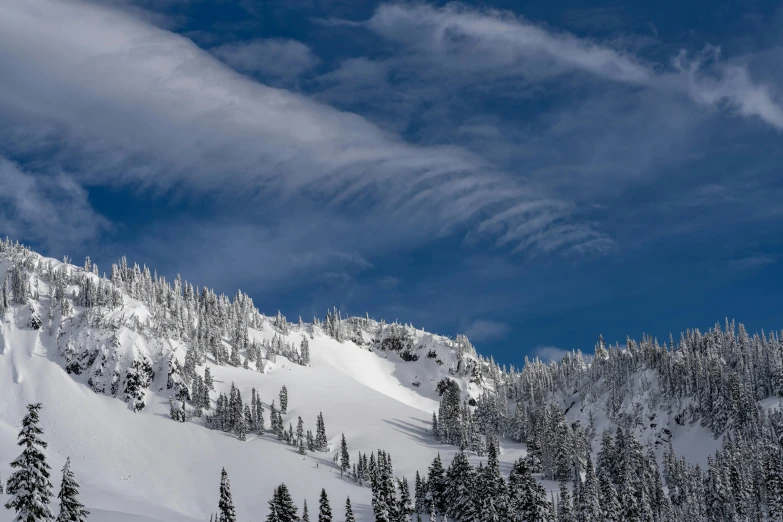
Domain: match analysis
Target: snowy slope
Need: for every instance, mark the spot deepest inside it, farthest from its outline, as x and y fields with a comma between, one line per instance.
x=377, y=385
x=143, y=466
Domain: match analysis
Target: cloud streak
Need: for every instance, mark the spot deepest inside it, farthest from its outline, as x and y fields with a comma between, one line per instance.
x=549, y=353
x=132, y=104
x=53, y=210
x=486, y=330
x=279, y=58
x=468, y=41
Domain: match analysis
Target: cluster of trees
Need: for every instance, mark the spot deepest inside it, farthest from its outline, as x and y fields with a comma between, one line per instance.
x=29, y=485
x=743, y=481
x=282, y=507
x=207, y=323
x=233, y=415
x=715, y=378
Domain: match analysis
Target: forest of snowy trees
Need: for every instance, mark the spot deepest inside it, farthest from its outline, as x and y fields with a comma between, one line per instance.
x=718, y=379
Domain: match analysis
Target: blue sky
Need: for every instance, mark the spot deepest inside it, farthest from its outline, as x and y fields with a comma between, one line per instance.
x=529, y=175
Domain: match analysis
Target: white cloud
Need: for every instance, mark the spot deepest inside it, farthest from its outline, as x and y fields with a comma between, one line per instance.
x=549, y=353
x=484, y=330
x=138, y=105
x=53, y=210
x=468, y=41
x=281, y=58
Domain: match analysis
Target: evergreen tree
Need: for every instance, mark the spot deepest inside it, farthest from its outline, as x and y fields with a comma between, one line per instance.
x=460, y=489
x=345, y=459
x=493, y=494
x=589, y=508
x=324, y=510
x=610, y=505
x=281, y=506
x=437, y=486
x=225, y=504
x=300, y=432
x=404, y=508
x=320, y=434
x=349, y=511
x=305, y=352
x=273, y=424
x=29, y=485
x=71, y=510
x=305, y=513
x=208, y=379
x=564, y=509
x=283, y=400
x=527, y=498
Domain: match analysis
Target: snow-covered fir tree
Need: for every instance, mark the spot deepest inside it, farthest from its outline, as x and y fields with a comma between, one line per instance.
x=324, y=509
x=345, y=458
x=71, y=510
x=349, y=511
x=281, y=506
x=226, y=512
x=284, y=400
x=29, y=486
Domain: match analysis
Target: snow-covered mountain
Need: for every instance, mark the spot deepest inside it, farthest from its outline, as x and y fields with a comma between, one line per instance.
x=93, y=352
x=114, y=358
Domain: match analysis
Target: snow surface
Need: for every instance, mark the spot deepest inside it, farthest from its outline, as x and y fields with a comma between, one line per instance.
x=142, y=467
x=145, y=467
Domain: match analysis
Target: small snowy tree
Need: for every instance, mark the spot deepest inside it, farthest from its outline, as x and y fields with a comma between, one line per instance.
x=29, y=485
x=345, y=458
x=349, y=511
x=225, y=504
x=284, y=400
x=324, y=510
x=71, y=510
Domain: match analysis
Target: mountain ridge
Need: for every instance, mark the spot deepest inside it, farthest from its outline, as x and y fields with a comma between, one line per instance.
x=79, y=342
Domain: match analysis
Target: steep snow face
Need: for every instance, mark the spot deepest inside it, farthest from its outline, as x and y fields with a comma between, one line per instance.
x=142, y=466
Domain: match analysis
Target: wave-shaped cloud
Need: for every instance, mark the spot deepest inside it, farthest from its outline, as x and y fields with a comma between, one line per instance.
x=469, y=41
x=130, y=103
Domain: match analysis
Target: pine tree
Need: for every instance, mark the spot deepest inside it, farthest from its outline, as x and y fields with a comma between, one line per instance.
x=460, y=489
x=225, y=504
x=527, y=499
x=324, y=510
x=610, y=505
x=564, y=509
x=493, y=494
x=305, y=352
x=241, y=427
x=305, y=512
x=349, y=511
x=404, y=508
x=29, y=485
x=71, y=510
x=283, y=400
x=282, y=505
x=345, y=458
x=208, y=379
x=273, y=418
x=321, y=441
x=589, y=509
x=437, y=486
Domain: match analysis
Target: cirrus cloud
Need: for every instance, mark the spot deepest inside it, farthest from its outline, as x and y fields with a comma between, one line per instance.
x=133, y=104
